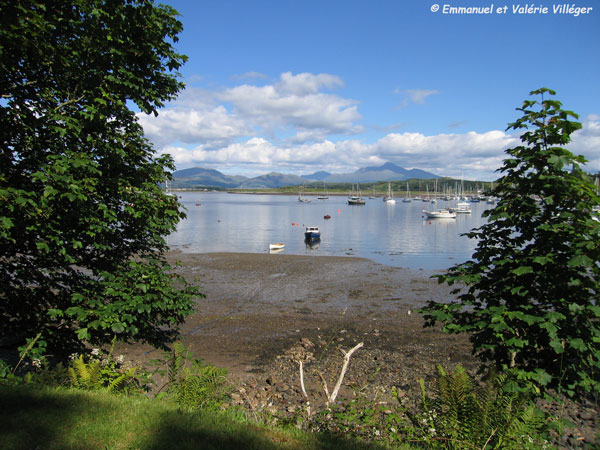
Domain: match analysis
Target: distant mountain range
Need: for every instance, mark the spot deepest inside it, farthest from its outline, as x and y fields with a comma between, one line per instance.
x=196, y=177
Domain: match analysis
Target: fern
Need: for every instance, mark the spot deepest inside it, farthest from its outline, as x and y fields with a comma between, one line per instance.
x=101, y=374
x=192, y=383
x=181, y=355
x=85, y=375
x=202, y=386
x=119, y=383
x=461, y=414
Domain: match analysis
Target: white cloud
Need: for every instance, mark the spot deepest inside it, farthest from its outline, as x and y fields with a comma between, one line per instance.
x=447, y=154
x=295, y=126
x=194, y=118
x=417, y=96
x=473, y=155
x=294, y=108
x=296, y=103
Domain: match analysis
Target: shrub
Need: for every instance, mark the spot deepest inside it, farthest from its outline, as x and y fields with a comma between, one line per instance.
x=529, y=296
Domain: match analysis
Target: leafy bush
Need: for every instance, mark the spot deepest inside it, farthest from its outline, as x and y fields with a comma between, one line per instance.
x=457, y=414
x=364, y=419
x=531, y=298
x=201, y=386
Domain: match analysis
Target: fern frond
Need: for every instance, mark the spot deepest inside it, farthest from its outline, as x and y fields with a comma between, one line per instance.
x=117, y=383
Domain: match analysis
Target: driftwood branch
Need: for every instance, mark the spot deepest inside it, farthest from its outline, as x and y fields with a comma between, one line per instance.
x=347, y=356
x=303, y=388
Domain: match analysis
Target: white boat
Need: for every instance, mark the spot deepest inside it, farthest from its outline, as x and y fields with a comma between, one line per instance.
x=312, y=233
x=463, y=207
x=407, y=199
x=426, y=199
x=277, y=246
x=440, y=214
x=389, y=197
x=374, y=195
x=325, y=196
x=168, y=189
x=301, y=197
x=354, y=198
x=434, y=198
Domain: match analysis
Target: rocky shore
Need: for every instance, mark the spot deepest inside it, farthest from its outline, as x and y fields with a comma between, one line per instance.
x=260, y=308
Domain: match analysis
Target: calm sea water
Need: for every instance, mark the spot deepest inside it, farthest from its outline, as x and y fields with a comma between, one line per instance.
x=396, y=235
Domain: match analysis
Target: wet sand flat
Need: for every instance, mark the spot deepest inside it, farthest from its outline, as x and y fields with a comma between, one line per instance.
x=259, y=305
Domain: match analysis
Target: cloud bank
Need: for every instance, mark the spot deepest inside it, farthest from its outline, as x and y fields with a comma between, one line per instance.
x=299, y=124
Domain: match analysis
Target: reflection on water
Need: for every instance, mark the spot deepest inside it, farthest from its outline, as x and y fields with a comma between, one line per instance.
x=396, y=235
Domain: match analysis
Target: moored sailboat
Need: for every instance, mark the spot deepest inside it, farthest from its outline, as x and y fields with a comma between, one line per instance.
x=407, y=199
x=389, y=197
x=354, y=198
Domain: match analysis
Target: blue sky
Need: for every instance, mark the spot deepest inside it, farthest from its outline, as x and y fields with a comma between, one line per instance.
x=296, y=87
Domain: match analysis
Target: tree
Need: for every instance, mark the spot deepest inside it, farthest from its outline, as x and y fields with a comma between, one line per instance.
x=82, y=214
x=529, y=296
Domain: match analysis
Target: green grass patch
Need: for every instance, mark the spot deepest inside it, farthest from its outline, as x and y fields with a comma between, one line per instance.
x=60, y=418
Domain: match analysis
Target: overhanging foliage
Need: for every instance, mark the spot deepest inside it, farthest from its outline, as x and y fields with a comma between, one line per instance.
x=82, y=216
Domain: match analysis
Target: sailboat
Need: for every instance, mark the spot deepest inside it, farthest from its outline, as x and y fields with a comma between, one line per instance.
x=301, y=197
x=389, y=197
x=440, y=213
x=168, y=188
x=407, y=199
x=434, y=198
x=373, y=196
x=325, y=195
x=354, y=198
x=463, y=206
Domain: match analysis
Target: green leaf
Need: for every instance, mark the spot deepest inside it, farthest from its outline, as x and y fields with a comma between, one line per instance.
x=118, y=327
x=580, y=261
x=542, y=260
x=82, y=334
x=522, y=270
x=557, y=346
x=577, y=344
x=42, y=246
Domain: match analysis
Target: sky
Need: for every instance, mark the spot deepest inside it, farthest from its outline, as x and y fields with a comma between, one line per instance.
x=301, y=86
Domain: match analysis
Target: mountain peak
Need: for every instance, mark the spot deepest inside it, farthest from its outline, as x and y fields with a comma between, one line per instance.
x=388, y=166
x=393, y=167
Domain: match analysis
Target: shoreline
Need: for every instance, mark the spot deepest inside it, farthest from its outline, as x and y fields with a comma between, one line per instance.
x=257, y=306
x=260, y=307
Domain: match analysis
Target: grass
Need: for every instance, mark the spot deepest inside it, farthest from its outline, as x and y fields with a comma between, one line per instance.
x=69, y=419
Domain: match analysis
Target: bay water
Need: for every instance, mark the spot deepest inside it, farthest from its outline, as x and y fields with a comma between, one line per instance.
x=397, y=235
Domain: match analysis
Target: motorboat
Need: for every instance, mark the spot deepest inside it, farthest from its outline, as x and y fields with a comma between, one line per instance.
x=277, y=246
x=463, y=208
x=440, y=214
x=312, y=233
